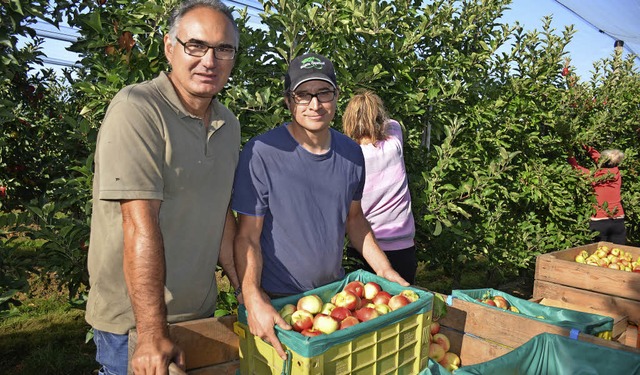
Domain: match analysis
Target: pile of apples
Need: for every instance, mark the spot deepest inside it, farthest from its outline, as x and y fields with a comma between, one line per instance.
x=439, y=349
x=613, y=258
x=357, y=302
x=499, y=302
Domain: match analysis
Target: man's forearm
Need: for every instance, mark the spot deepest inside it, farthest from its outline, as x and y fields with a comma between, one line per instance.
x=226, y=257
x=144, y=268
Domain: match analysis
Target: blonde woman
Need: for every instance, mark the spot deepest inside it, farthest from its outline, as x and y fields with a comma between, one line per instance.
x=608, y=220
x=386, y=201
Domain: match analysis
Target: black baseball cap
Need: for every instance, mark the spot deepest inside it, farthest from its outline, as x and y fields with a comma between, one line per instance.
x=309, y=67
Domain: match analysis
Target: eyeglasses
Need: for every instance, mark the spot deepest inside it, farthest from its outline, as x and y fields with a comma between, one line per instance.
x=307, y=97
x=199, y=49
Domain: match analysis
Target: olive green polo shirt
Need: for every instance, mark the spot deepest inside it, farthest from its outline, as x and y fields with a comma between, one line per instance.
x=150, y=147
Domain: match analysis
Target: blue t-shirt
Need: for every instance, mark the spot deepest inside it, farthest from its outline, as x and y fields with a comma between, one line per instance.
x=305, y=200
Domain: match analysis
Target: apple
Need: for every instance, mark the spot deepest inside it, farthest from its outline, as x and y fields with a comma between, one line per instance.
x=356, y=287
x=312, y=303
x=435, y=328
x=286, y=311
x=615, y=251
x=436, y=352
x=327, y=308
x=371, y=289
x=382, y=298
x=442, y=340
x=636, y=268
x=489, y=302
x=450, y=361
x=501, y=302
x=3, y=191
x=614, y=266
x=301, y=320
x=311, y=332
x=397, y=301
x=410, y=294
x=514, y=309
x=382, y=309
x=348, y=322
x=340, y=313
x=601, y=253
x=580, y=259
x=366, y=313
x=325, y=324
x=346, y=299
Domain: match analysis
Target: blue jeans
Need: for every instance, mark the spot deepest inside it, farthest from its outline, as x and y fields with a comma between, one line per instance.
x=112, y=352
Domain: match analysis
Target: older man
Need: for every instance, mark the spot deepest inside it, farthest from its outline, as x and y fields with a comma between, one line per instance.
x=164, y=166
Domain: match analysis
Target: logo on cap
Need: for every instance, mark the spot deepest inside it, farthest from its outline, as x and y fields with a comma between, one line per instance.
x=312, y=63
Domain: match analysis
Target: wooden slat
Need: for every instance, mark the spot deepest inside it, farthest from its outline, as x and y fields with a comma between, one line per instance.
x=471, y=349
x=600, y=302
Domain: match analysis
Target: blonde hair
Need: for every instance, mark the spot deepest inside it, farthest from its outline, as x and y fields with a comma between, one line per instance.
x=611, y=158
x=365, y=118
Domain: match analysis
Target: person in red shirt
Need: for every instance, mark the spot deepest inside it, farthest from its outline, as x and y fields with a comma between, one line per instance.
x=606, y=181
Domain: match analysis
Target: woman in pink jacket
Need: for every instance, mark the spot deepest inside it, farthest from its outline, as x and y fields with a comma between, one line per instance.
x=606, y=181
x=386, y=200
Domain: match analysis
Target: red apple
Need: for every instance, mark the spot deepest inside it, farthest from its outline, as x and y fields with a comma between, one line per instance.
x=489, y=301
x=397, y=301
x=3, y=191
x=382, y=298
x=435, y=328
x=371, y=289
x=340, y=313
x=356, y=287
x=348, y=322
x=501, y=302
x=312, y=303
x=325, y=324
x=436, y=352
x=311, y=332
x=346, y=299
x=442, y=340
x=450, y=361
x=410, y=294
x=366, y=313
x=301, y=320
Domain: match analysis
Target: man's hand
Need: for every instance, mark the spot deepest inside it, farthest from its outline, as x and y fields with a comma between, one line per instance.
x=262, y=318
x=153, y=355
x=391, y=275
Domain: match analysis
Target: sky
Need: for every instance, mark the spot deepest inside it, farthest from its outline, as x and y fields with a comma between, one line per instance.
x=587, y=46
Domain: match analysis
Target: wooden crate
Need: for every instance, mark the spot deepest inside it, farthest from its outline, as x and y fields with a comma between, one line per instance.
x=210, y=345
x=608, y=291
x=620, y=322
x=480, y=333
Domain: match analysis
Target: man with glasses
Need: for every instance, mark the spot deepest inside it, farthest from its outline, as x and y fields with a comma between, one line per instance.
x=297, y=192
x=164, y=166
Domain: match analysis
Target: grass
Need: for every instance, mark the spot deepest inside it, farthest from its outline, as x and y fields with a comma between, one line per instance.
x=47, y=336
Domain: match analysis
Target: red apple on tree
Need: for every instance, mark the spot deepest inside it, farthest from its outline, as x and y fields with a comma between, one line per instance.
x=301, y=320
x=356, y=287
x=398, y=301
x=312, y=303
x=371, y=289
x=325, y=324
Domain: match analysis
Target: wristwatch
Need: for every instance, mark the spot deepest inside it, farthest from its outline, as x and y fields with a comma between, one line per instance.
x=238, y=291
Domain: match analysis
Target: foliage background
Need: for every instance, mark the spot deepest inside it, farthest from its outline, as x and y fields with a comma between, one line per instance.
x=488, y=133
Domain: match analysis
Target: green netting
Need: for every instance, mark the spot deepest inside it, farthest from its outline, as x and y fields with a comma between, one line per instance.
x=314, y=346
x=549, y=354
x=592, y=324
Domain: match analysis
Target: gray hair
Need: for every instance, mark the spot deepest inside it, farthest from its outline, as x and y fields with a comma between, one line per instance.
x=611, y=158
x=188, y=5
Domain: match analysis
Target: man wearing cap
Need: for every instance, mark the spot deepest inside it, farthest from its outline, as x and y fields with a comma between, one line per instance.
x=297, y=192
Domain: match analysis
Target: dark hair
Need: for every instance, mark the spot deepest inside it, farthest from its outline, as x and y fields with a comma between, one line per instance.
x=188, y=5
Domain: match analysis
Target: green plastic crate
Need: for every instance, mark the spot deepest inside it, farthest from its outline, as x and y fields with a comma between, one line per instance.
x=394, y=343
